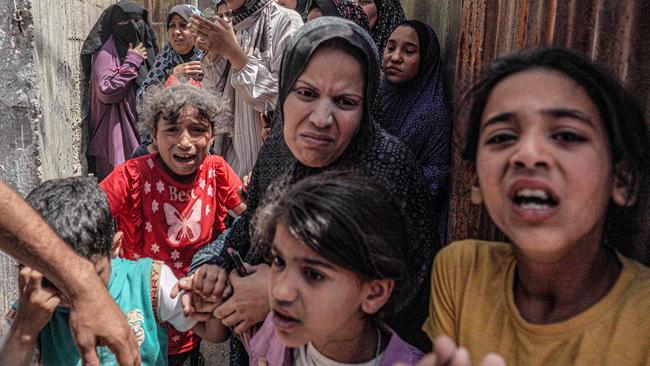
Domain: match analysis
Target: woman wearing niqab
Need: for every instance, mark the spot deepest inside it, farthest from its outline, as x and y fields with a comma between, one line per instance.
x=115, y=73
x=371, y=151
x=415, y=111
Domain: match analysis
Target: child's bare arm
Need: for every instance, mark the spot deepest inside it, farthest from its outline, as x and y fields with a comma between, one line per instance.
x=212, y=330
x=239, y=209
x=209, y=281
x=36, y=305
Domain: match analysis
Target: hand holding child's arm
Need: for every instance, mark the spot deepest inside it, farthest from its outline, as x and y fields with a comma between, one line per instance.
x=249, y=304
x=200, y=309
x=209, y=281
x=36, y=305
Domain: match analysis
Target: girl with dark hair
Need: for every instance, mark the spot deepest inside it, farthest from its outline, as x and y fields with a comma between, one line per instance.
x=336, y=264
x=116, y=57
x=347, y=9
x=415, y=109
x=558, y=152
x=325, y=124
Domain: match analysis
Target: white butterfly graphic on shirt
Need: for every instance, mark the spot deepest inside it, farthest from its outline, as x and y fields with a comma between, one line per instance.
x=183, y=227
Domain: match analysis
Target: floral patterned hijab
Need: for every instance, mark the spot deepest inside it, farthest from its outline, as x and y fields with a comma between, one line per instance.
x=347, y=9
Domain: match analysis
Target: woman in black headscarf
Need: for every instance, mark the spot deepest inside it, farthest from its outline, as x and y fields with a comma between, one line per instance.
x=116, y=58
x=415, y=109
x=286, y=157
x=302, y=7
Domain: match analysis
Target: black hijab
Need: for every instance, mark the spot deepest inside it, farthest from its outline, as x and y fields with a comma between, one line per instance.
x=132, y=32
x=372, y=151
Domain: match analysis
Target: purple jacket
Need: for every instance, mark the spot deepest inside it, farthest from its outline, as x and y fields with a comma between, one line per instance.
x=113, y=135
x=265, y=344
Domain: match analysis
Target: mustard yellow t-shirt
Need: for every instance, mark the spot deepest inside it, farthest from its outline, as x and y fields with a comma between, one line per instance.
x=472, y=301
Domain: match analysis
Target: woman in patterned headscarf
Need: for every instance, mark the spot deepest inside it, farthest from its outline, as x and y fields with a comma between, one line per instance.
x=179, y=56
x=383, y=16
x=347, y=9
x=116, y=58
x=368, y=149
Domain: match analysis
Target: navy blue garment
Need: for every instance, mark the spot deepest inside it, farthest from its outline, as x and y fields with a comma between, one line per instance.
x=417, y=113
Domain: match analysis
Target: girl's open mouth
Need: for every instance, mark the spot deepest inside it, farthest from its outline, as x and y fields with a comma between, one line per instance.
x=534, y=199
x=184, y=159
x=283, y=321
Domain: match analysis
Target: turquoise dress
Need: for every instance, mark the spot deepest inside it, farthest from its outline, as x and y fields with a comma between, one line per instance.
x=130, y=287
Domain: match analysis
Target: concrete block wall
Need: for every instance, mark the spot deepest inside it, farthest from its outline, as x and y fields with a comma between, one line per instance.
x=40, y=113
x=61, y=27
x=19, y=121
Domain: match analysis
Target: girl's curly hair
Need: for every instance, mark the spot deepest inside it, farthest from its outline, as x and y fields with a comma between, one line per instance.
x=168, y=102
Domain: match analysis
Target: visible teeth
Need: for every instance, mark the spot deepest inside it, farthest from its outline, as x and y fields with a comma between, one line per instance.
x=534, y=206
x=532, y=193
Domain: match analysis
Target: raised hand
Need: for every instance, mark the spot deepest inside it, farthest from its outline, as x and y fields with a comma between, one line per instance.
x=218, y=37
x=138, y=49
x=448, y=354
x=36, y=304
x=190, y=69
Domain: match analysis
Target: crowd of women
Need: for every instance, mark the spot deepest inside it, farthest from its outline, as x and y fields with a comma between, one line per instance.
x=341, y=134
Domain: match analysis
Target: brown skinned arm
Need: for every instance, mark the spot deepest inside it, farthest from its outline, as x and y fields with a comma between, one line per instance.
x=95, y=319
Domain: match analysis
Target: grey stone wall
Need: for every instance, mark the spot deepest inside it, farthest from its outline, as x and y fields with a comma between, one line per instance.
x=61, y=27
x=19, y=121
x=40, y=100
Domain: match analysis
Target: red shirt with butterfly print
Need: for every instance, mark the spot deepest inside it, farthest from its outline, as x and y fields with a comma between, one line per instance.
x=167, y=220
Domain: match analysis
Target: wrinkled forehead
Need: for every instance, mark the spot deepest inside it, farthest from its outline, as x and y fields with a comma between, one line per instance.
x=304, y=44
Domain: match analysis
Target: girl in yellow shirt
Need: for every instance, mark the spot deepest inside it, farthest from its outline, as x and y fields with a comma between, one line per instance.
x=560, y=158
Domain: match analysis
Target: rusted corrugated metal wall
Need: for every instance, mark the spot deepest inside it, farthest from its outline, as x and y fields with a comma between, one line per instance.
x=614, y=33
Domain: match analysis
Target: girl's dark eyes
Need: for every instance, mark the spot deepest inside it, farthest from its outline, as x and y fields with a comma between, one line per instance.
x=500, y=138
x=277, y=262
x=563, y=136
x=568, y=136
x=313, y=275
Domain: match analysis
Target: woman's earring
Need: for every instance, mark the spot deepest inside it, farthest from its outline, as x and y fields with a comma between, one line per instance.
x=476, y=196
